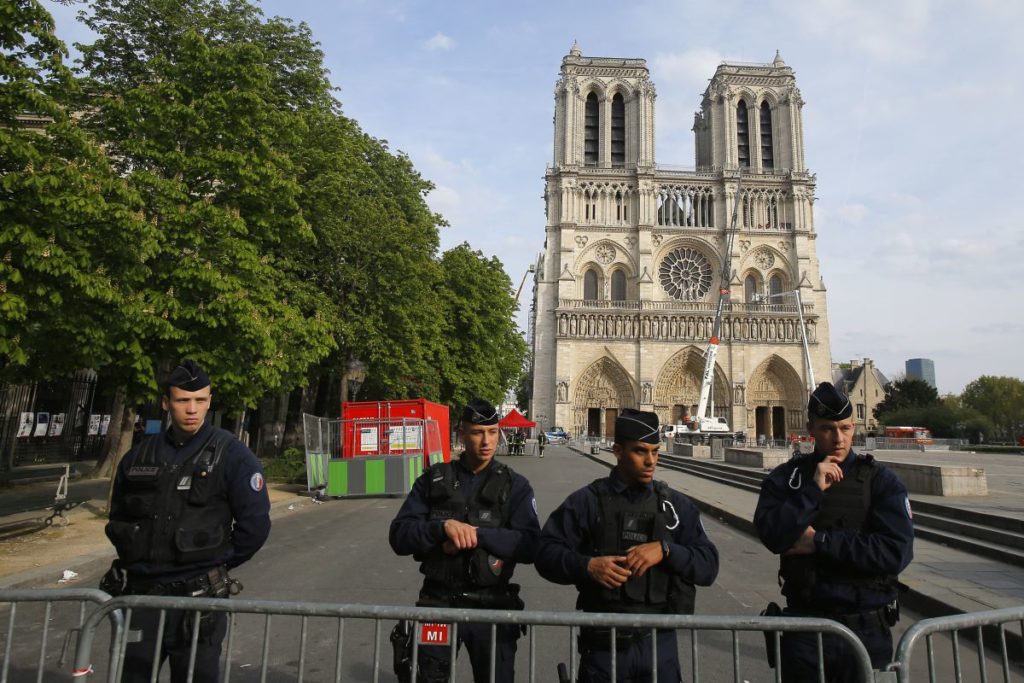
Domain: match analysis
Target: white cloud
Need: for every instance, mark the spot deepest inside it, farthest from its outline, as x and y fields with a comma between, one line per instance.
x=853, y=213
x=444, y=200
x=439, y=42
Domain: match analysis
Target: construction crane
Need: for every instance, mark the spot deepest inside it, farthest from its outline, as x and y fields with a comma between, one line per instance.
x=522, y=282
x=702, y=422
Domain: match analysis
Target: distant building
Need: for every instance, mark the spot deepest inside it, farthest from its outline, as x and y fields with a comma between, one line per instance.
x=865, y=385
x=627, y=288
x=922, y=369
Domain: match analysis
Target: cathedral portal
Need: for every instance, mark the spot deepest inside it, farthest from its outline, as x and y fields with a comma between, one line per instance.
x=602, y=390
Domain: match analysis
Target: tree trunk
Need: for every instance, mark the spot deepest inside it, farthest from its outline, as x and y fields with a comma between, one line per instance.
x=118, y=439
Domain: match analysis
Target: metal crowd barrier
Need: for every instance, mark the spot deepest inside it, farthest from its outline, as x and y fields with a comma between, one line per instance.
x=976, y=624
x=49, y=597
x=331, y=641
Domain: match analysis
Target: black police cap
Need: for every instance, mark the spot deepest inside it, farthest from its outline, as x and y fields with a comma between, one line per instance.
x=829, y=403
x=637, y=425
x=188, y=376
x=479, y=412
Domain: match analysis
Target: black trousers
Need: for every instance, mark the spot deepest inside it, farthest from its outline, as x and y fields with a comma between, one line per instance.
x=632, y=662
x=175, y=646
x=800, y=653
x=434, y=661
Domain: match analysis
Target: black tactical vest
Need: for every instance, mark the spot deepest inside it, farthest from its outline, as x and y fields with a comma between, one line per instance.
x=621, y=525
x=173, y=514
x=844, y=506
x=488, y=508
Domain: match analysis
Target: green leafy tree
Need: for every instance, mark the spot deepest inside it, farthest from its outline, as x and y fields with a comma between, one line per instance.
x=1001, y=399
x=905, y=393
x=73, y=246
x=375, y=259
x=196, y=103
x=945, y=420
x=483, y=353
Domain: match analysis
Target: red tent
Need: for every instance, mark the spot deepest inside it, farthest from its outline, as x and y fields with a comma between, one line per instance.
x=515, y=420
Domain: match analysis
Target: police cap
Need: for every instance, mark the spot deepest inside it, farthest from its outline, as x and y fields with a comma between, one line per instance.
x=188, y=376
x=479, y=412
x=829, y=403
x=637, y=425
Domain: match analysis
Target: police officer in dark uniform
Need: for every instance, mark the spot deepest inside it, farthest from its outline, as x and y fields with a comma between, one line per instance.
x=187, y=505
x=841, y=523
x=629, y=544
x=468, y=523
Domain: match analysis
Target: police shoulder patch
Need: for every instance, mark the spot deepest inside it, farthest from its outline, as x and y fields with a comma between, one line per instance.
x=256, y=482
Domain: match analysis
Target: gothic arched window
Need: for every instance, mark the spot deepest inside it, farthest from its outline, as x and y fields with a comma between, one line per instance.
x=618, y=286
x=775, y=285
x=590, y=285
x=591, y=128
x=618, y=131
x=767, y=156
x=750, y=289
x=742, y=135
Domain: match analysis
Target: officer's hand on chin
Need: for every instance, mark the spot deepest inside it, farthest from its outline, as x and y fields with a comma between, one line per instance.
x=804, y=545
x=608, y=570
x=460, y=534
x=828, y=472
x=642, y=557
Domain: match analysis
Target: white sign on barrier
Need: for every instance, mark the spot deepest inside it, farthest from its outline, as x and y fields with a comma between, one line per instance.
x=368, y=439
x=405, y=438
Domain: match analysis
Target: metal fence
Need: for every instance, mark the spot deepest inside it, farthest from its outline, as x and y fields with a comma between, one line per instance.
x=887, y=443
x=326, y=637
x=994, y=646
x=31, y=634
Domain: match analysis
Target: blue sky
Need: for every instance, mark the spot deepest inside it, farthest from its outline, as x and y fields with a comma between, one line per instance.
x=912, y=124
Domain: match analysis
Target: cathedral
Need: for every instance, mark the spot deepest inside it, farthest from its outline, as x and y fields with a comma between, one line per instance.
x=636, y=253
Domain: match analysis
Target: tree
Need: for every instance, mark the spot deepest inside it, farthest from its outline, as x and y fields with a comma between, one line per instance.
x=483, y=351
x=946, y=419
x=904, y=393
x=73, y=244
x=1001, y=399
x=196, y=103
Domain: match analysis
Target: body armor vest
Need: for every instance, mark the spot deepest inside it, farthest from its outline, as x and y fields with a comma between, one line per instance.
x=488, y=508
x=173, y=513
x=620, y=525
x=845, y=506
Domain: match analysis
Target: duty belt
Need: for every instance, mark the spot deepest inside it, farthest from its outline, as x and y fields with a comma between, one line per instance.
x=853, y=620
x=600, y=637
x=209, y=583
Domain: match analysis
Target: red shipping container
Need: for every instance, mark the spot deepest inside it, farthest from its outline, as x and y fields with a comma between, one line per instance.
x=387, y=417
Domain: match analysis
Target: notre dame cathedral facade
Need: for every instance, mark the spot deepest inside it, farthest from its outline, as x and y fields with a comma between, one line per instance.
x=626, y=289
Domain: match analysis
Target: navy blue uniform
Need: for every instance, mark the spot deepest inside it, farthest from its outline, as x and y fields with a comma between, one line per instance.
x=239, y=486
x=789, y=503
x=564, y=553
x=413, y=532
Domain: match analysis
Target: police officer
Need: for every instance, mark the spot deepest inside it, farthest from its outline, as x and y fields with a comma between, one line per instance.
x=187, y=505
x=468, y=523
x=629, y=544
x=841, y=523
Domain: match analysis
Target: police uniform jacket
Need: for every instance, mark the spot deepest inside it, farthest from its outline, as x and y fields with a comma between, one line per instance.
x=569, y=534
x=235, y=491
x=413, y=532
x=789, y=503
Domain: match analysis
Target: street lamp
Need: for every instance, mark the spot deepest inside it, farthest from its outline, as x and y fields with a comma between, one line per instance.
x=356, y=377
x=803, y=332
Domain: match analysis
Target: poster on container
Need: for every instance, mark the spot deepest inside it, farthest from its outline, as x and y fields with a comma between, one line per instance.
x=56, y=425
x=25, y=426
x=104, y=425
x=368, y=439
x=405, y=438
x=94, y=425
x=42, y=424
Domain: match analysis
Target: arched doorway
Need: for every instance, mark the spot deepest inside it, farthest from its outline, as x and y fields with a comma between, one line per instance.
x=677, y=391
x=776, y=400
x=601, y=392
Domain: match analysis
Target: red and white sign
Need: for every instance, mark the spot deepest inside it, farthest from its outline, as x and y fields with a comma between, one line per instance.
x=433, y=634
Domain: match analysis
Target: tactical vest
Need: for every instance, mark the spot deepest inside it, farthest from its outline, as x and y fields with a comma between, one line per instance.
x=488, y=508
x=173, y=513
x=620, y=525
x=845, y=506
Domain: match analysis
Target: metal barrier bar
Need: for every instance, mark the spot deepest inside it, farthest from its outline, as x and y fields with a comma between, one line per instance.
x=952, y=625
x=418, y=615
x=49, y=597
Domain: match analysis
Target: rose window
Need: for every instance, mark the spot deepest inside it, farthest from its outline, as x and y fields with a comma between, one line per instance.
x=605, y=253
x=765, y=259
x=685, y=274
